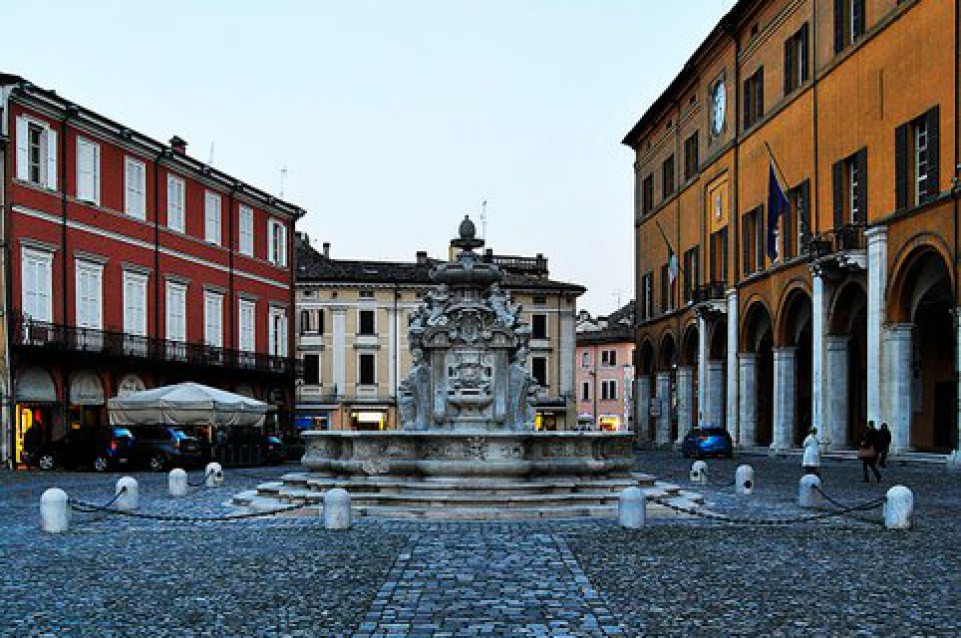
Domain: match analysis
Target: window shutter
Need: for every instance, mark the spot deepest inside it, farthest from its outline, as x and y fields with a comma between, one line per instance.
x=760, y=239
x=51, y=159
x=84, y=177
x=788, y=64
x=804, y=230
x=23, y=161
x=838, y=25
x=748, y=101
x=759, y=94
x=934, y=136
x=861, y=159
x=857, y=18
x=746, y=243
x=95, y=167
x=803, y=51
x=838, y=181
x=901, y=166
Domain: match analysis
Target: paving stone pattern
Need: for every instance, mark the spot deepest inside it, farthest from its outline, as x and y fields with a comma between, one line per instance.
x=287, y=576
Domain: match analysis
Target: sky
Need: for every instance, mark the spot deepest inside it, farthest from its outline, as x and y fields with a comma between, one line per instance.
x=392, y=118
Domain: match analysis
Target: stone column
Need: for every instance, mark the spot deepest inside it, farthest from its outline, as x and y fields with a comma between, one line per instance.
x=877, y=280
x=685, y=401
x=642, y=409
x=785, y=360
x=568, y=352
x=818, y=338
x=339, y=348
x=835, y=433
x=393, y=358
x=715, y=394
x=663, y=434
x=956, y=453
x=733, y=397
x=898, y=339
x=701, y=369
x=747, y=376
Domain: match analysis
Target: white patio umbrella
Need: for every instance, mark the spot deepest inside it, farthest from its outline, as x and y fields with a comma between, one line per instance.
x=186, y=404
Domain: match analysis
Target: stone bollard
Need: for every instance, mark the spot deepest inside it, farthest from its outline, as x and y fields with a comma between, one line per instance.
x=177, y=482
x=899, y=508
x=54, y=511
x=129, y=493
x=337, y=509
x=699, y=472
x=214, y=475
x=632, y=508
x=809, y=492
x=744, y=480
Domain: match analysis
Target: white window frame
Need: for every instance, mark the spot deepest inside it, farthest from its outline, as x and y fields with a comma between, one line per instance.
x=922, y=163
x=373, y=357
x=88, y=171
x=176, y=202
x=854, y=202
x=175, y=328
x=277, y=332
x=213, y=207
x=37, y=300
x=213, y=319
x=246, y=230
x=89, y=300
x=47, y=160
x=360, y=322
x=135, y=188
x=276, y=242
x=135, y=303
x=247, y=325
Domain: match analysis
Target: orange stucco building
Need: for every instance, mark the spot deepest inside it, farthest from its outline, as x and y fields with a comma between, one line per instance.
x=842, y=307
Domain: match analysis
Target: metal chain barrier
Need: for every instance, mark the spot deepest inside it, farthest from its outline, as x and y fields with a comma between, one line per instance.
x=718, y=484
x=870, y=505
x=841, y=505
x=202, y=483
x=105, y=506
x=83, y=506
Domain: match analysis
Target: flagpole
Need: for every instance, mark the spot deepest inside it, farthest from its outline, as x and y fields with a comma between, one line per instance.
x=777, y=167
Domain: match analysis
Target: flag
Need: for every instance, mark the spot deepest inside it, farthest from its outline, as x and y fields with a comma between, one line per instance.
x=671, y=264
x=777, y=205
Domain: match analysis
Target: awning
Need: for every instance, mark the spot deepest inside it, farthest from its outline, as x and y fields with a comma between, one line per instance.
x=186, y=404
x=35, y=384
x=86, y=388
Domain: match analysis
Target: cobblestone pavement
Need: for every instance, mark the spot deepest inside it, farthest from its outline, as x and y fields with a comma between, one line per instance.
x=287, y=576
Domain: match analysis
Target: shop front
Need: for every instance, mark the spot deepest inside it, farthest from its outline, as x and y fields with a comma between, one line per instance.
x=370, y=417
x=35, y=412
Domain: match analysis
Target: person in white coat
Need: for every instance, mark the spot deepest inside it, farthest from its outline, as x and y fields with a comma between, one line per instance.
x=811, y=461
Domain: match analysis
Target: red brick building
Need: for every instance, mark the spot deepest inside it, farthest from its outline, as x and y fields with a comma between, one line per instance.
x=130, y=265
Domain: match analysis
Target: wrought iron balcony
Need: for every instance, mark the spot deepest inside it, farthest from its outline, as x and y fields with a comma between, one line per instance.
x=839, y=251
x=712, y=291
x=54, y=337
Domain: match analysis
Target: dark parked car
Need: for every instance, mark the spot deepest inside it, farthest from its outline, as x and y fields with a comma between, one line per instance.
x=160, y=447
x=272, y=450
x=702, y=442
x=98, y=448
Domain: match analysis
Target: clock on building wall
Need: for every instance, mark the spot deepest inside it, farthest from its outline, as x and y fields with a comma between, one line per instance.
x=718, y=107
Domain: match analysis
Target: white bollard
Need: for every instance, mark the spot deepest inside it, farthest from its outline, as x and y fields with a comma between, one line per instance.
x=809, y=492
x=177, y=482
x=337, y=509
x=632, y=508
x=699, y=472
x=214, y=475
x=129, y=492
x=899, y=508
x=744, y=480
x=54, y=511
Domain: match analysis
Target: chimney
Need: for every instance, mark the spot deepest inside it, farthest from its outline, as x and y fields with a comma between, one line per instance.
x=421, y=256
x=326, y=250
x=178, y=144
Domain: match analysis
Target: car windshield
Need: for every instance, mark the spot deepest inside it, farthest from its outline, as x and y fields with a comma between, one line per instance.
x=121, y=432
x=713, y=431
x=273, y=439
x=179, y=434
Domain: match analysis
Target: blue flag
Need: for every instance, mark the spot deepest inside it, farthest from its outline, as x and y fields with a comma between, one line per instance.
x=777, y=205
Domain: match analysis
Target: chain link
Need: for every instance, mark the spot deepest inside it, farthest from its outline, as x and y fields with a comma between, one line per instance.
x=83, y=506
x=767, y=521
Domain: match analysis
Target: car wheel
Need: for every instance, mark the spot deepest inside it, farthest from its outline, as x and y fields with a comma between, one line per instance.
x=46, y=462
x=157, y=463
x=100, y=464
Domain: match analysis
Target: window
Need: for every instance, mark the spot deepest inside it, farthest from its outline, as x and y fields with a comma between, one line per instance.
x=89, y=295
x=246, y=230
x=692, y=267
x=539, y=326
x=753, y=98
x=850, y=177
x=175, y=203
x=539, y=370
x=135, y=303
x=917, y=149
x=848, y=23
x=88, y=171
x=719, y=256
x=36, y=153
x=647, y=288
x=667, y=177
x=311, y=369
x=37, y=294
x=135, y=188
x=176, y=305
x=690, y=157
x=305, y=327
x=585, y=359
x=319, y=324
x=212, y=219
x=366, y=370
x=609, y=390
x=647, y=194
x=539, y=300
x=367, y=323
x=796, y=60
x=794, y=223
x=213, y=319
x=366, y=294
x=247, y=320
x=585, y=391
x=277, y=243
x=611, y=357
x=603, y=357
x=277, y=336
x=752, y=225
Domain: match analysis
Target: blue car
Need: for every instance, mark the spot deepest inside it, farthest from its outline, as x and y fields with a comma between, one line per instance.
x=703, y=442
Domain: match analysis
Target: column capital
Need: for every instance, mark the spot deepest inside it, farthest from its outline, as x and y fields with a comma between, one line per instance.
x=836, y=342
x=899, y=330
x=747, y=356
x=784, y=351
x=876, y=233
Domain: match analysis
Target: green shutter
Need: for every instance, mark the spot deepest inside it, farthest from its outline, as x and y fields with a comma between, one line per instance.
x=837, y=172
x=901, y=166
x=934, y=136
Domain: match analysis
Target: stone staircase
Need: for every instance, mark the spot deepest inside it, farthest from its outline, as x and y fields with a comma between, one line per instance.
x=467, y=499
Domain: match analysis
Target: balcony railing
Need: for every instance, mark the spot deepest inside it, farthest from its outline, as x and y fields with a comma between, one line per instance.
x=847, y=238
x=709, y=292
x=55, y=337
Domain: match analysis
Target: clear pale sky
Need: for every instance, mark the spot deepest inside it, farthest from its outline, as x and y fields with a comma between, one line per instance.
x=394, y=118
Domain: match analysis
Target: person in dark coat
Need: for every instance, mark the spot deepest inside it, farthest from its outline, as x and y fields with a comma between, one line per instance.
x=868, y=452
x=884, y=445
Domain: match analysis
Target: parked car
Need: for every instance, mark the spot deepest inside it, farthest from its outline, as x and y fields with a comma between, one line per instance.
x=702, y=442
x=160, y=447
x=272, y=450
x=100, y=448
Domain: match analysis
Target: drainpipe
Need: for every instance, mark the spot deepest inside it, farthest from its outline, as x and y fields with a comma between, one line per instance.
x=70, y=111
x=234, y=345
x=7, y=401
x=156, y=243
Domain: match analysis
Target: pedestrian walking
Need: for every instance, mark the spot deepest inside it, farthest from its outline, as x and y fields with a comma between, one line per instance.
x=868, y=452
x=884, y=445
x=811, y=461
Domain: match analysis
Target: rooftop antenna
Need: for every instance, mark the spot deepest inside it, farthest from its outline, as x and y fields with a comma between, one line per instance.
x=283, y=178
x=617, y=296
x=484, y=220
x=210, y=160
